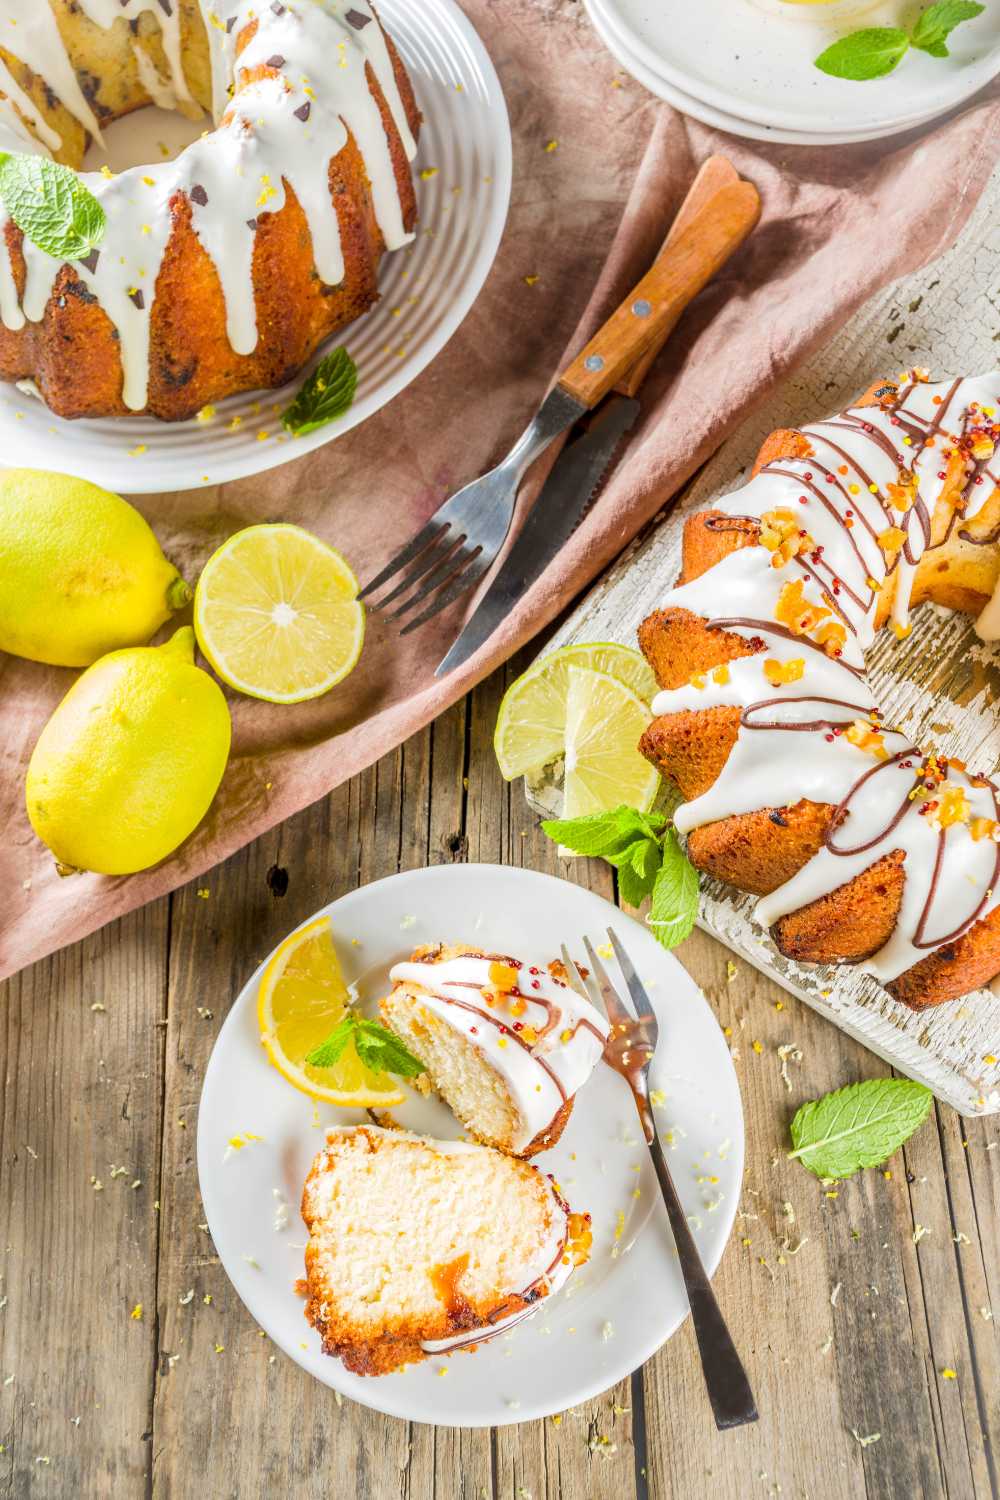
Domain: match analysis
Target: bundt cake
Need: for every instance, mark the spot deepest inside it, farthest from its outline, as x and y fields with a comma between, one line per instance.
x=862, y=847
x=223, y=270
x=506, y=1044
x=421, y=1247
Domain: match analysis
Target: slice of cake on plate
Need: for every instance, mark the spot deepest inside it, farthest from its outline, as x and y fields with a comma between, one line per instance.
x=420, y=1247
x=506, y=1044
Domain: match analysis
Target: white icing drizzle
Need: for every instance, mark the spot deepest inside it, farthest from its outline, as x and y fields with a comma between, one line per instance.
x=168, y=13
x=792, y=737
x=29, y=32
x=280, y=129
x=539, y=1075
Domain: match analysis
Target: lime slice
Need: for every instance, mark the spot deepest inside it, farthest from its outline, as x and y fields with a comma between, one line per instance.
x=604, y=723
x=531, y=725
x=277, y=615
x=302, y=997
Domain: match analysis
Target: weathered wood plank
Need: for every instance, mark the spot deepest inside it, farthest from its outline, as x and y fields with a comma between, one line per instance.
x=79, y=1125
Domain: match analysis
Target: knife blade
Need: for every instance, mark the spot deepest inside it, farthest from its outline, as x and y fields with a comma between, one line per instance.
x=560, y=507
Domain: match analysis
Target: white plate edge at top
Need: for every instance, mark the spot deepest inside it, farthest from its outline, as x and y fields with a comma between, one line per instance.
x=111, y=456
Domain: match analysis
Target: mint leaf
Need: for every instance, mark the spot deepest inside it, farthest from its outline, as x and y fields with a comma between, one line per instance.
x=329, y=1052
x=870, y=53
x=858, y=1126
x=327, y=394
x=382, y=1050
x=604, y=834
x=637, y=870
x=938, y=20
x=51, y=206
x=675, y=895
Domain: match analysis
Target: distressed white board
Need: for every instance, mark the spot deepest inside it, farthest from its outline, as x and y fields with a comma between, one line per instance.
x=942, y=684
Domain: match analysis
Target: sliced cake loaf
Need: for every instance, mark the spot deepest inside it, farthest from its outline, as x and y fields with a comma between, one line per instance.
x=420, y=1247
x=506, y=1044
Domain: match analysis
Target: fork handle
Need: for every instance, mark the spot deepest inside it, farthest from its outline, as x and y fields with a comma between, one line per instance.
x=663, y=293
x=726, y=1381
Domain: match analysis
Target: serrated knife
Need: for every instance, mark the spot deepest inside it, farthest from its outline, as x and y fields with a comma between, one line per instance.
x=576, y=476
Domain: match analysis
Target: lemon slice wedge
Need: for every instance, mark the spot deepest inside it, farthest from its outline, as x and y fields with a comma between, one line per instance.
x=302, y=997
x=604, y=723
x=277, y=615
x=531, y=724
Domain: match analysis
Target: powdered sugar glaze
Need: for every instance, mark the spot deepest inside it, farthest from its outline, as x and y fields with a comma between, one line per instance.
x=283, y=128
x=864, y=498
x=541, y=1036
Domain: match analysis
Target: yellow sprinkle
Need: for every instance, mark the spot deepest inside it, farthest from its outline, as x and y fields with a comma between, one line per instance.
x=758, y=1046
x=551, y=146
x=149, y=181
x=137, y=452
x=106, y=171
x=428, y=173
x=207, y=1299
x=887, y=1175
x=557, y=1420
x=989, y=1058
x=220, y=1348
x=832, y=1193
x=442, y=1369
x=501, y=1041
x=727, y=1031
x=206, y=414
x=263, y=435
x=136, y=1313
x=731, y=971
x=778, y=1005
x=948, y=1373
x=530, y=280
x=203, y=893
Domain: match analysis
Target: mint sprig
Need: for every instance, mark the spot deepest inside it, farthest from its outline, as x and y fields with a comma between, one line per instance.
x=51, y=206
x=379, y=1049
x=877, y=50
x=327, y=394
x=858, y=1126
x=650, y=862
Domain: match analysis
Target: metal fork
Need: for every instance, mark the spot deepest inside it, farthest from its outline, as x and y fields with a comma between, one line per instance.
x=462, y=538
x=629, y=1051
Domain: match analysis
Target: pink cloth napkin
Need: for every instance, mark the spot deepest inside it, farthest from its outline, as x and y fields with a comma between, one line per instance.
x=586, y=219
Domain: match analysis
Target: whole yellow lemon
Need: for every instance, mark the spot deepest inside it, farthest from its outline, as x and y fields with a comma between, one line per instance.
x=128, y=764
x=81, y=573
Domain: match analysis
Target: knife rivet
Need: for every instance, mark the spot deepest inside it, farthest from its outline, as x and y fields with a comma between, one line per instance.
x=642, y=308
x=594, y=362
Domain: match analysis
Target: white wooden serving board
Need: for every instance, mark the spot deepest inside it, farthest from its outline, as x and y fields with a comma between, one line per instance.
x=942, y=684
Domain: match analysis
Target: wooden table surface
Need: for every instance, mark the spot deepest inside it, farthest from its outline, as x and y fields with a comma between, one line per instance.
x=891, y=1281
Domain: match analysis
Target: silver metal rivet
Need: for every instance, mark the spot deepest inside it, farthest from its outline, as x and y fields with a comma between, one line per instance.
x=642, y=308
x=594, y=362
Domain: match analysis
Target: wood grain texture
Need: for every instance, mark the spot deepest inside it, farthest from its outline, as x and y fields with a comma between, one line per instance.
x=191, y=1400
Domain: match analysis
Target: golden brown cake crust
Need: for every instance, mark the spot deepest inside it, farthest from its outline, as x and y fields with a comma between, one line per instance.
x=72, y=354
x=760, y=851
x=400, y=1338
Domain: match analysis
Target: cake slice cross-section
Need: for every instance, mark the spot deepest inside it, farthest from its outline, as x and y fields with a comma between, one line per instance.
x=506, y=1044
x=420, y=1247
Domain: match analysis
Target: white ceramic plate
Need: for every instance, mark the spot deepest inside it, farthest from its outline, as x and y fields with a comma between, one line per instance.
x=610, y=34
x=466, y=136
x=755, y=57
x=629, y=1299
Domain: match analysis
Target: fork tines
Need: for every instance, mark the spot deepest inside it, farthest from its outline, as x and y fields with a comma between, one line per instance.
x=444, y=567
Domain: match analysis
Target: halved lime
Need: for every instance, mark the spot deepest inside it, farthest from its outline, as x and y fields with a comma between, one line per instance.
x=531, y=724
x=276, y=612
x=604, y=723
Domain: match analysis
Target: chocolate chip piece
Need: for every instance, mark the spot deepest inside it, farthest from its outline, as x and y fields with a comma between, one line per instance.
x=198, y=194
x=357, y=20
x=138, y=299
x=230, y=23
x=253, y=224
x=90, y=261
x=303, y=111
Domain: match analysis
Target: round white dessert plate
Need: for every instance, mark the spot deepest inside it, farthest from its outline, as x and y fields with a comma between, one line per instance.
x=617, y=1310
x=754, y=59
x=608, y=29
x=427, y=289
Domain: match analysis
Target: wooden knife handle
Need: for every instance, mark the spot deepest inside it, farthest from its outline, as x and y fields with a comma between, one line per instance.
x=714, y=173
x=663, y=293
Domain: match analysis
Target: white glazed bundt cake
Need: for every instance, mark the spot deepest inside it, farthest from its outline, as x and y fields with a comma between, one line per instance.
x=223, y=270
x=421, y=1247
x=506, y=1044
x=862, y=847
